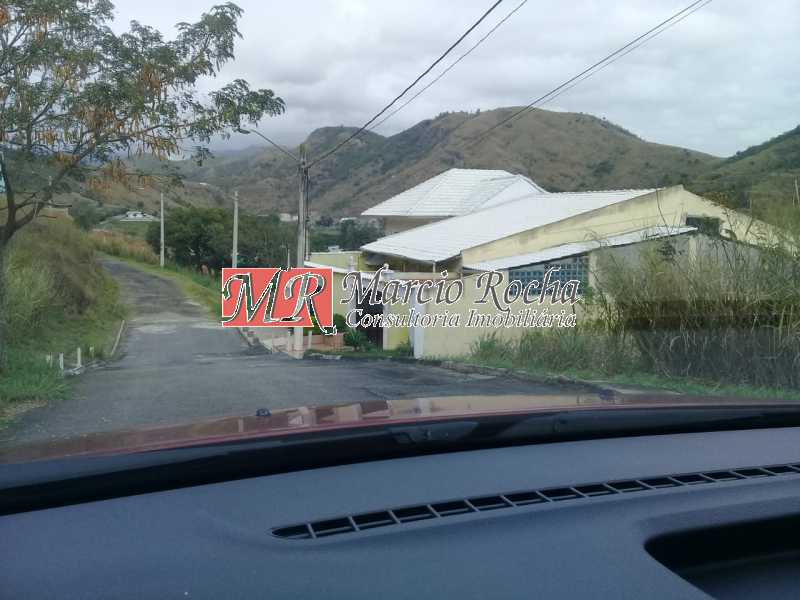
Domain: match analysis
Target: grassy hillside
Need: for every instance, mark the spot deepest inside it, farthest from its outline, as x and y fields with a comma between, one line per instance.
x=57, y=298
x=561, y=151
x=764, y=173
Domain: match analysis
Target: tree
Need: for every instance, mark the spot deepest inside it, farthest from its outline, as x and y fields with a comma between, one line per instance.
x=74, y=96
x=197, y=236
x=353, y=235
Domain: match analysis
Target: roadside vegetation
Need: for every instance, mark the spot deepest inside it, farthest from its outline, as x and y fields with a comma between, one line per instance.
x=201, y=287
x=724, y=321
x=57, y=298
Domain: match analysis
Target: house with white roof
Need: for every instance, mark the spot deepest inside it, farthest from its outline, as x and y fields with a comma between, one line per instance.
x=541, y=222
x=453, y=193
x=472, y=221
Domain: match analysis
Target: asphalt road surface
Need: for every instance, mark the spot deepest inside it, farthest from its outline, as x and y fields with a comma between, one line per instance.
x=177, y=365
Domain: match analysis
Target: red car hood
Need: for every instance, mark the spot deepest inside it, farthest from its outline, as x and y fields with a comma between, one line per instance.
x=283, y=422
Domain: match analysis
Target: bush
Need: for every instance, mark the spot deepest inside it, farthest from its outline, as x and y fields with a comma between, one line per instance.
x=357, y=339
x=340, y=321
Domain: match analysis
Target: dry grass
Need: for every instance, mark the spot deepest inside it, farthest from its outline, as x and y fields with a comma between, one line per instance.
x=729, y=314
x=123, y=245
x=56, y=298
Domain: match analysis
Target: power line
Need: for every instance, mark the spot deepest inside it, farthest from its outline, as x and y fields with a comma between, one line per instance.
x=453, y=64
x=616, y=58
x=403, y=93
x=595, y=66
x=266, y=139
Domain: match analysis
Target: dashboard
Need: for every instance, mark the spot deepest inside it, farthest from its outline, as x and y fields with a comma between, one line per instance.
x=666, y=516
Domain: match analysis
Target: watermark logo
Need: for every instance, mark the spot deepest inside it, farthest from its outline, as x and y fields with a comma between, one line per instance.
x=272, y=297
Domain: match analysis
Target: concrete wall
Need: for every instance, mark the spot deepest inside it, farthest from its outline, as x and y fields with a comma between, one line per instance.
x=340, y=260
x=439, y=342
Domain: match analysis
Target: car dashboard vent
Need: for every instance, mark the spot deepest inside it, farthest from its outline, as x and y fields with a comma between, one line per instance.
x=438, y=510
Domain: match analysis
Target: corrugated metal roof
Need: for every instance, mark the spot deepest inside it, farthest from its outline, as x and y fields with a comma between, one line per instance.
x=454, y=192
x=565, y=250
x=448, y=238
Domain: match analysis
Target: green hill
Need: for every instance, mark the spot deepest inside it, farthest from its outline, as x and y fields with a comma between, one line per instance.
x=560, y=151
x=762, y=174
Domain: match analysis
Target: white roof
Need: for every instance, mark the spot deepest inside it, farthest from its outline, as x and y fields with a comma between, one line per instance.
x=445, y=239
x=455, y=192
x=565, y=250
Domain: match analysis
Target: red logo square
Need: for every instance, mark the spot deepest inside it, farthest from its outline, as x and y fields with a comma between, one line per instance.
x=274, y=297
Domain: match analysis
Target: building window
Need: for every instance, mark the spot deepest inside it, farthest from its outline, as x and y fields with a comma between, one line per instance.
x=569, y=268
x=707, y=225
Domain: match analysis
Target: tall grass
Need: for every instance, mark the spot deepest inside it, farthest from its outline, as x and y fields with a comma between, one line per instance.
x=586, y=349
x=123, y=245
x=726, y=312
x=712, y=311
x=56, y=298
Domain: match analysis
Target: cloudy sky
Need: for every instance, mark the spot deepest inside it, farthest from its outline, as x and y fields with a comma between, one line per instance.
x=723, y=79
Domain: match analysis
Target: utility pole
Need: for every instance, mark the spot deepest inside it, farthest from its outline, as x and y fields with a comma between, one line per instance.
x=235, y=252
x=302, y=211
x=161, y=214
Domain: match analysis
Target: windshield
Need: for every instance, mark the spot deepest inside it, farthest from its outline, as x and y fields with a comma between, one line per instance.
x=256, y=219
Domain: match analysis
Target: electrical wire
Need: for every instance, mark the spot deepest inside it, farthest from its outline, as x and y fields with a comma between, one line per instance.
x=589, y=71
x=265, y=138
x=616, y=58
x=403, y=93
x=453, y=64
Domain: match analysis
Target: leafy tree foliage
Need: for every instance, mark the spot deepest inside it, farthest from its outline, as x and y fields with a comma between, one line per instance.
x=76, y=95
x=203, y=236
x=350, y=235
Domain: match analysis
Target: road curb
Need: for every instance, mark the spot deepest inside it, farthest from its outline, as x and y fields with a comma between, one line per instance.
x=470, y=368
x=252, y=340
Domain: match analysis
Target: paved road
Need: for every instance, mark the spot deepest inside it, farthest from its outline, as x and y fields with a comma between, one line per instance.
x=176, y=365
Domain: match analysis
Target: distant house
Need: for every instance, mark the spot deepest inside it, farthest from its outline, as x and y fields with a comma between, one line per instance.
x=454, y=193
x=137, y=216
x=469, y=221
x=287, y=218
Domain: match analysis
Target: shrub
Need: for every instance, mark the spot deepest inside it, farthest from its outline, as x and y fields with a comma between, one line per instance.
x=356, y=338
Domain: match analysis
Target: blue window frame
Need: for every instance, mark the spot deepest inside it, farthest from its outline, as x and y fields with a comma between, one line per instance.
x=576, y=267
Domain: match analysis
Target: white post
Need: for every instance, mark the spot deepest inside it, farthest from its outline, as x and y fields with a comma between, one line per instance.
x=61, y=361
x=161, y=262
x=78, y=356
x=235, y=252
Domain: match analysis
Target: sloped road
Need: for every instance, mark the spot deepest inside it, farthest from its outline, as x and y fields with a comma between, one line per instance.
x=177, y=365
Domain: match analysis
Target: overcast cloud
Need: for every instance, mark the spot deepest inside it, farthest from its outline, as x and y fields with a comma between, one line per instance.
x=721, y=80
